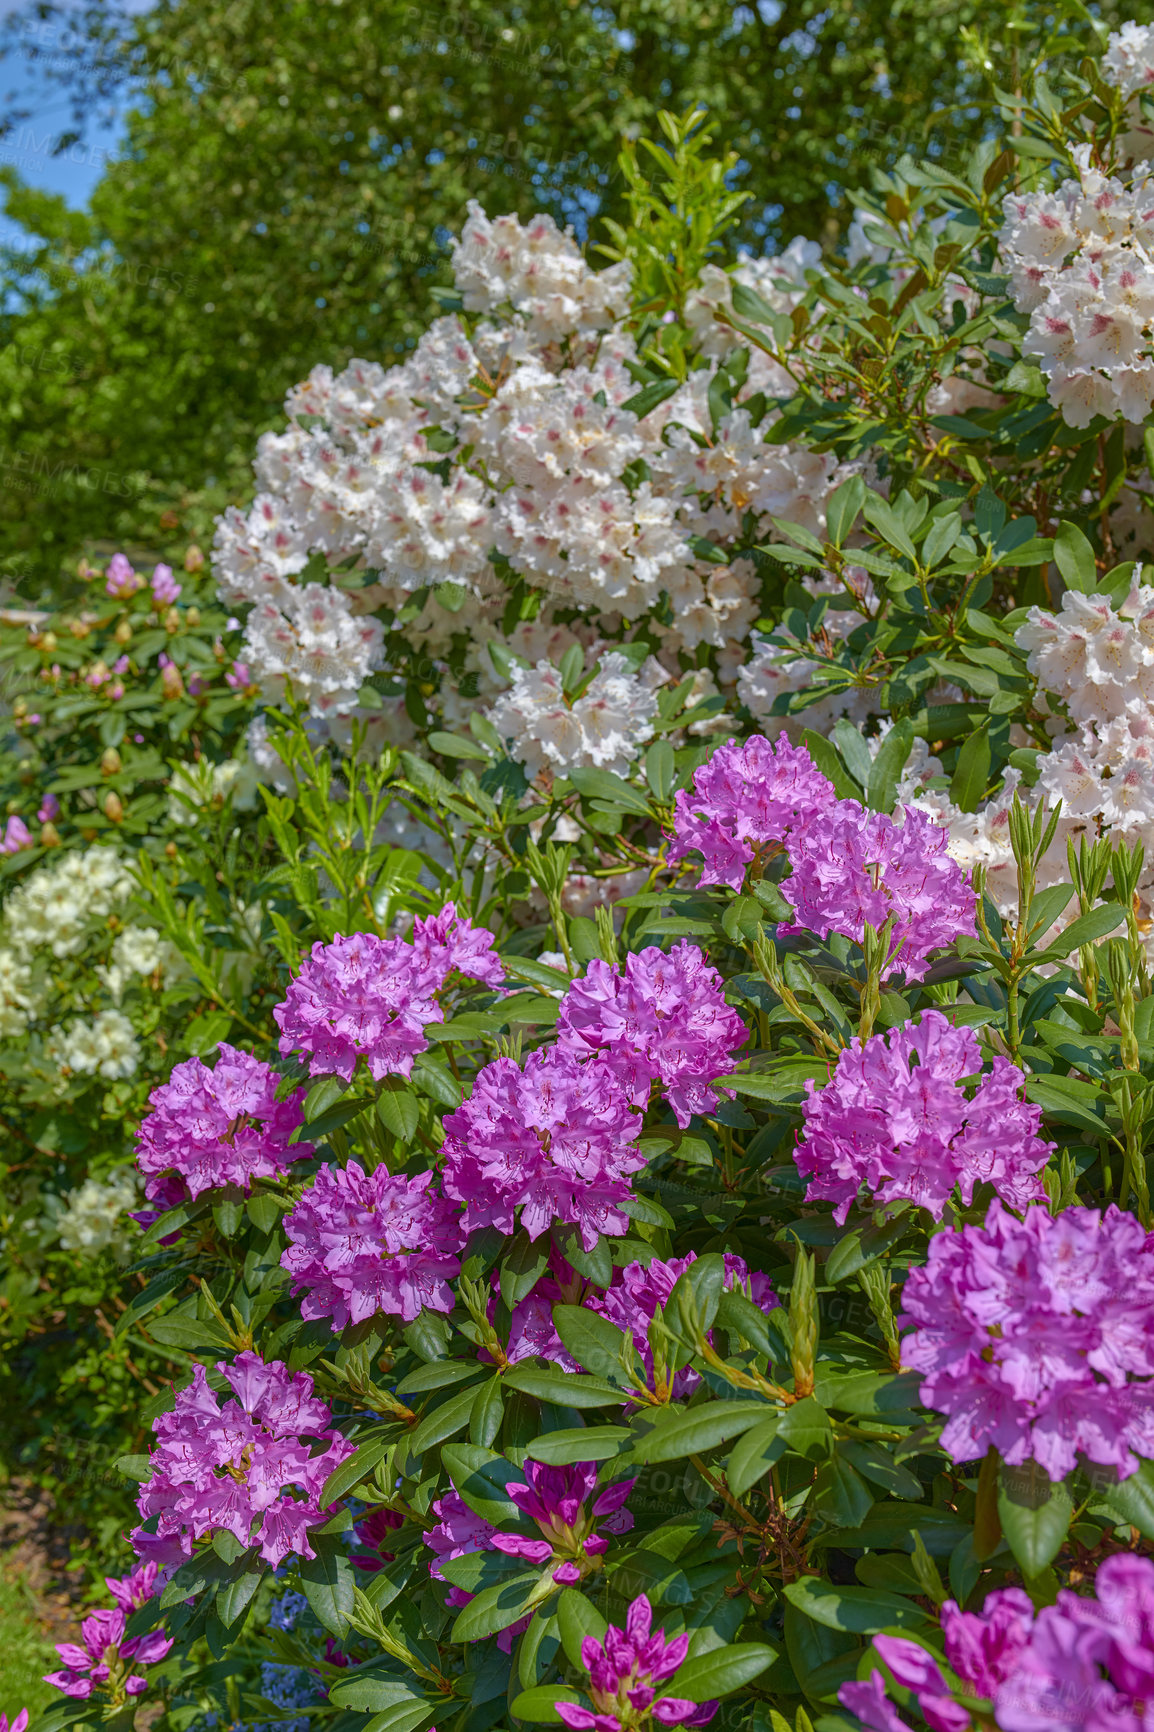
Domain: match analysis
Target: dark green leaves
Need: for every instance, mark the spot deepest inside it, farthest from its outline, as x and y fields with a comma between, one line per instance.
x=1035, y=1515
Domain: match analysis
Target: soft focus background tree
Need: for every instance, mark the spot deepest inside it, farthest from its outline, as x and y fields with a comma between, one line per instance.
x=291, y=171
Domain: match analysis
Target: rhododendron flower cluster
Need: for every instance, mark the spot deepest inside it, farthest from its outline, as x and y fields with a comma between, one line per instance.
x=663, y=1018
x=371, y=997
x=604, y=728
x=223, y=1126
x=1082, y=263
x=103, y=1660
x=1036, y=1338
x=246, y=1465
x=366, y=1242
x=746, y=800
x=564, y=1503
x=897, y=1118
x=554, y=1142
x=523, y=399
x=639, y=1289
x=625, y=1672
x=1084, y=1663
x=853, y=868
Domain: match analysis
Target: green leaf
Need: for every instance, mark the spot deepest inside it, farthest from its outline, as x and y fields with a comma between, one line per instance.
x=323, y=1094
x=234, y=1599
x=399, y=1110
x=1035, y=1515
x=481, y=1476
x=831, y=765
x=350, y=1473
x=753, y=1455
x=496, y=1608
x=444, y=1421
x=592, y=1340
x=806, y=1429
x=327, y=1581
x=972, y=772
x=720, y=1672
x=843, y=506
x=1065, y=1099
x=698, y=1428
x=1087, y=929
x=578, y=1617
x=861, y=1247
x=562, y=1388
x=604, y=785
x=863, y=1611
x=649, y=397
x=1133, y=1498
x=1074, y=558
x=660, y=769
x=487, y=1413
x=456, y=746
x=137, y=1467
x=539, y=1705
x=581, y=1443
x=522, y=1267
x=372, y=1687
x=887, y=767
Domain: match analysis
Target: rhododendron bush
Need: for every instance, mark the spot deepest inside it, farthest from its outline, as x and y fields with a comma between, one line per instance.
x=658, y=1229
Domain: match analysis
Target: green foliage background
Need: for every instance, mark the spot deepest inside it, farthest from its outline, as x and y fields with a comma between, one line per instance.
x=292, y=171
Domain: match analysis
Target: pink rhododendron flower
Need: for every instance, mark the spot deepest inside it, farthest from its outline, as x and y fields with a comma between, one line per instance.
x=165, y=589
x=1082, y=1665
x=1036, y=1338
x=49, y=809
x=367, y=1242
x=244, y=1465
x=371, y=997
x=853, y=868
x=373, y=1531
x=746, y=800
x=663, y=1018
x=624, y=1674
x=134, y=1590
x=19, y=1722
x=895, y=1118
x=103, y=1659
x=556, y=1141
x=16, y=836
x=631, y=1303
x=122, y=581
x=217, y=1127
x=239, y=676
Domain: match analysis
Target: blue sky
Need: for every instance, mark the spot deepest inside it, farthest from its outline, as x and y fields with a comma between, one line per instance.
x=28, y=148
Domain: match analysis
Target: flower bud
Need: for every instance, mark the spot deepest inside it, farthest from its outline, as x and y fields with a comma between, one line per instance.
x=171, y=850
x=171, y=621
x=47, y=643
x=113, y=806
x=192, y=617
x=110, y=761
x=171, y=680
x=49, y=835
x=79, y=628
x=803, y=1323
x=123, y=632
x=193, y=559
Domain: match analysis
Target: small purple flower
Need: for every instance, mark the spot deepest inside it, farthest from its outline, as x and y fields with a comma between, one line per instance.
x=370, y=997
x=896, y=1118
x=165, y=589
x=1036, y=1338
x=556, y=1141
x=245, y=1466
x=662, y=1019
x=239, y=676
x=49, y=809
x=746, y=800
x=624, y=1673
x=16, y=836
x=123, y=581
x=373, y=1532
x=367, y=1242
x=19, y=1722
x=867, y=1699
x=853, y=868
x=103, y=1659
x=134, y=1590
x=218, y=1127
x=555, y=1499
